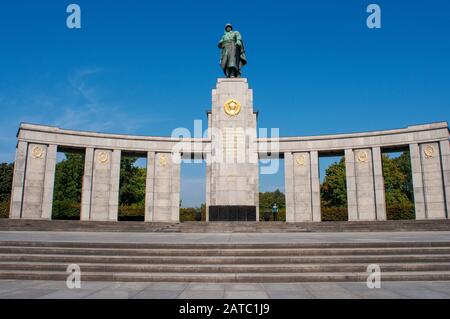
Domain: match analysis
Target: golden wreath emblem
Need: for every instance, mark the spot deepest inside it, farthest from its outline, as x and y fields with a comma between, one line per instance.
x=300, y=160
x=163, y=160
x=429, y=151
x=37, y=152
x=103, y=157
x=232, y=107
x=363, y=157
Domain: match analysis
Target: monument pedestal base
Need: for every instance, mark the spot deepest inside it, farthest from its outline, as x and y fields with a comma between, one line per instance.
x=232, y=173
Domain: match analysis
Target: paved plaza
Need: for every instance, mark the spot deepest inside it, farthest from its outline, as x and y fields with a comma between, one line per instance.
x=17, y=289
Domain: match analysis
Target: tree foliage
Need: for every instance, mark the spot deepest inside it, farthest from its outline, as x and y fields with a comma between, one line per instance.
x=132, y=182
x=333, y=190
x=6, y=177
x=266, y=200
x=404, y=164
x=69, y=178
x=394, y=181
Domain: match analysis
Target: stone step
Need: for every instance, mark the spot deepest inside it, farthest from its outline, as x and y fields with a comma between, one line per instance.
x=193, y=268
x=201, y=227
x=226, y=277
x=225, y=260
x=226, y=252
x=121, y=245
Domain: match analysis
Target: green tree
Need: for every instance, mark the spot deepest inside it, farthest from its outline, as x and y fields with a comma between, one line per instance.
x=394, y=182
x=69, y=178
x=334, y=187
x=266, y=200
x=132, y=182
x=6, y=177
x=404, y=164
x=68, y=183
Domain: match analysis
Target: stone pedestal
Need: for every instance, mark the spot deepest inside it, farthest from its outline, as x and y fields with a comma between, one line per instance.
x=232, y=167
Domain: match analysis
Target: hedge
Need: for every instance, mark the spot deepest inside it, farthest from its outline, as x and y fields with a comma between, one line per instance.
x=334, y=214
x=401, y=212
x=188, y=214
x=4, y=209
x=394, y=212
x=66, y=210
x=135, y=212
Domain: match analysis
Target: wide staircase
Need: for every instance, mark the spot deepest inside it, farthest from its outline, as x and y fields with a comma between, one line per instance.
x=222, y=227
x=263, y=262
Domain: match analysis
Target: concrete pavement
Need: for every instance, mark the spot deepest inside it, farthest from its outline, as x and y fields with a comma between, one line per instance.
x=17, y=289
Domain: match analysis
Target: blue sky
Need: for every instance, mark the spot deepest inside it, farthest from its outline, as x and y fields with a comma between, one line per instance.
x=148, y=67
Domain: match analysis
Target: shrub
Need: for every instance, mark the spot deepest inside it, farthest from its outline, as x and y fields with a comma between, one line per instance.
x=188, y=214
x=133, y=212
x=4, y=209
x=404, y=211
x=66, y=210
x=394, y=212
x=334, y=214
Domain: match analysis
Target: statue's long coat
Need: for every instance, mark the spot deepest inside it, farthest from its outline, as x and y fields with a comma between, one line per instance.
x=233, y=52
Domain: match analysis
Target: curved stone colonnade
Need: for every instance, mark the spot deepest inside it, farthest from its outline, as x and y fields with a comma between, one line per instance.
x=37, y=147
x=430, y=164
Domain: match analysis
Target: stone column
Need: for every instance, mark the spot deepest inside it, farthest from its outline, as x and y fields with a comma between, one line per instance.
x=445, y=158
x=416, y=168
x=150, y=187
x=289, y=187
x=352, y=203
x=315, y=187
x=15, y=211
x=360, y=185
x=208, y=183
x=49, y=182
x=175, y=187
x=114, y=188
x=105, y=185
x=302, y=187
x=86, y=192
x=34, y=181
x=365, y=186
x=432, y=181
x=166, y=188
x=380, y=197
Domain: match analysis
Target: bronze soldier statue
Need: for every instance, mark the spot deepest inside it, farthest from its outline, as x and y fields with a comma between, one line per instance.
x=233, y=53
